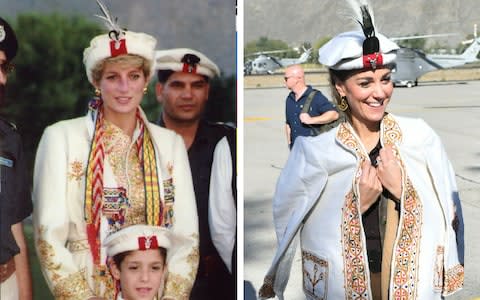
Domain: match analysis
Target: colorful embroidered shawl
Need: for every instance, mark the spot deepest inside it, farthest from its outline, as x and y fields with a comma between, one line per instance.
x=94, y=180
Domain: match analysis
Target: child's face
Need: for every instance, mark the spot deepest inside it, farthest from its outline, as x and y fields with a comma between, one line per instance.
x=141, y=274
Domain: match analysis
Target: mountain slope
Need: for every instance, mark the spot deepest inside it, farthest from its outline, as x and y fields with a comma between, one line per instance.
x=310, y=20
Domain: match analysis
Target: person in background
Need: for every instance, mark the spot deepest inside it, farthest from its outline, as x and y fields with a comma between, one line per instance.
x=182, y=89
x=320, y=110
x=15, y=200
x=222, y=214
x=112, y=168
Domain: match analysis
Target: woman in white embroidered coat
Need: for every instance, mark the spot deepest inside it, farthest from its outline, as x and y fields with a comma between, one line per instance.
x=111, y=169
x=373, y=201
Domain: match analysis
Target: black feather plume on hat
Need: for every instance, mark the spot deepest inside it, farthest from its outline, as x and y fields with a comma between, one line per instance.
x=371, y=43
x=364, y=16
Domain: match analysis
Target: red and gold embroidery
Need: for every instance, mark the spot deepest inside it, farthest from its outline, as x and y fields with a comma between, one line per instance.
x=454, y=279
x=407, y=248
x=354, y=259
x=405, y=261
x=355, y=265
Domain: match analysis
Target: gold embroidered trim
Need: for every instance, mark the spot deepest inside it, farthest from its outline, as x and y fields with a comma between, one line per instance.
x=454, y=279
x=407, y=249
x=356, y=281
x=405, y=262
x=77, y=171
x=355, y=266
x=193, y=258
x=345, y=136
x=72, y=287
x=46, y=254
x=179, y=287
x=391, y=131
x=79, y=245
x=103, y=282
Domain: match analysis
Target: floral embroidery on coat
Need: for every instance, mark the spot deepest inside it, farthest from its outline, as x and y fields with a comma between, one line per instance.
x=77, y=171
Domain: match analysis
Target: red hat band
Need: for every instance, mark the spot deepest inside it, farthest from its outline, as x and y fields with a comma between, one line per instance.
x=372, y=61
x=187, y=68
x=118, y=47
x=147, y=242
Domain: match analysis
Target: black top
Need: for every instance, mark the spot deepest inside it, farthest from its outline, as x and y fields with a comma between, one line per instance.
x=370, y=220
x=200, y=156
x=15, y=201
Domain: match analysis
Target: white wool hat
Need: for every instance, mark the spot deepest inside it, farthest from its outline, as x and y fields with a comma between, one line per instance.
x=345, y=52
x=106, y=45
x=140, y=237
x=186, y=60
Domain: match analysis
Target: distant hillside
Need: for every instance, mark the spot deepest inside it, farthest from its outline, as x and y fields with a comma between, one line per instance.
x=309, y=20
x=207, y=25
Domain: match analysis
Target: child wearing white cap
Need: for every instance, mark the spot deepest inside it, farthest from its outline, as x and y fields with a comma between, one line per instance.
x=376, y=210
x=139, y=258
x=110, y=169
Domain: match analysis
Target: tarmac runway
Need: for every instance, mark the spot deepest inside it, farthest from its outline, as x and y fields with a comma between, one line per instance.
x=451, y=108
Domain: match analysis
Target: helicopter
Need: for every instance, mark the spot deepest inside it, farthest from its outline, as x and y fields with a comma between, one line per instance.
x=266, y=64
x=413, y=63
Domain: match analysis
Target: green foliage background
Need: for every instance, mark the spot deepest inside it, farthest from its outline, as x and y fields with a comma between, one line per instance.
x=49, y=83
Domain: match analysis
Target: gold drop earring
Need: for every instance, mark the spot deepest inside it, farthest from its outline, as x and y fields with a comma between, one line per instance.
x=343, y=105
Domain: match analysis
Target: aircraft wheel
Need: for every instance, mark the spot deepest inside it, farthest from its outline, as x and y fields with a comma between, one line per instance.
x=409, y=84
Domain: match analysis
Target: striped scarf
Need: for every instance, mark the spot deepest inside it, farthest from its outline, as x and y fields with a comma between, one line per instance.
x=94, y=180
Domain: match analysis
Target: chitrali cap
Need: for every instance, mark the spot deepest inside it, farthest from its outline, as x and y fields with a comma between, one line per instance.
x=8, y=41
x=139, y=237
x=358, y=49
x=186, y=60
x=117, y=42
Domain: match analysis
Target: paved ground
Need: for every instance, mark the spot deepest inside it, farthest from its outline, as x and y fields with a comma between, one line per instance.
x=451, y=108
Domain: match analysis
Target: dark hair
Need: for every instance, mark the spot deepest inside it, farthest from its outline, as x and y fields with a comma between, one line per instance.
x=163, y=76
x=342, y=75
x=118, y=258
